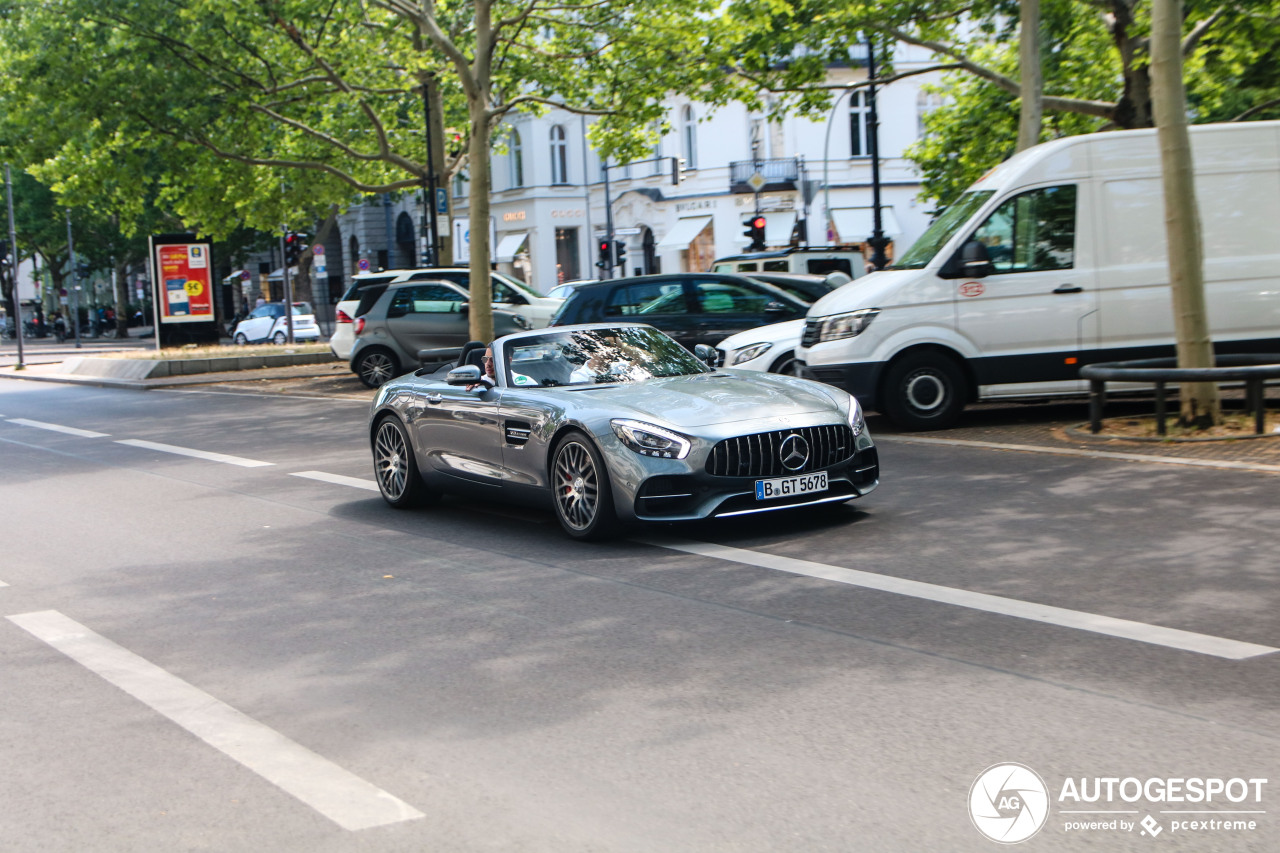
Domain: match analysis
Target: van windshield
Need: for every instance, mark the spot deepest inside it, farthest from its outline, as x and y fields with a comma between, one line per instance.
x=942, y=230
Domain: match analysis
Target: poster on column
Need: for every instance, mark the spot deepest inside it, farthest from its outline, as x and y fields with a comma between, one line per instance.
x=184, y=291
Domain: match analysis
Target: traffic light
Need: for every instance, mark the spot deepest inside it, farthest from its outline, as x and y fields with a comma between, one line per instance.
x=606, y=259
x=755, y=231
x=619, y=251
x=294, y=246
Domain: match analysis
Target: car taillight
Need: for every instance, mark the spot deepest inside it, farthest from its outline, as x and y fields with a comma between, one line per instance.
x=344, y=317
x=359, y=325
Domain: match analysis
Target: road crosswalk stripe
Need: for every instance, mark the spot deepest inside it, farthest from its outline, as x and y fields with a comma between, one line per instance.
x=338, y=794
x=338, y=479
x=82, y=433
x=197, y=454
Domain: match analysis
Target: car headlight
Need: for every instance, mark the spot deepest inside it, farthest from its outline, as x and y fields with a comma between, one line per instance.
x=857, y=422
x=748, y=353
x=650, y=440
x=849, y=325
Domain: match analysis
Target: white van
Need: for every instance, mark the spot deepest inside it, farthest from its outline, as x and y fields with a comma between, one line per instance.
x=812, y=260
x=1054, y=260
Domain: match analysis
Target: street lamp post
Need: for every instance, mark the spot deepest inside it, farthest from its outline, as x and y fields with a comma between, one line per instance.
x=878, y=240
x=75, y=282
x=13, y=265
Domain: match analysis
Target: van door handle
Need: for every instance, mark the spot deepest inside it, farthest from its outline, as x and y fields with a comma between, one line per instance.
x=1067, y=288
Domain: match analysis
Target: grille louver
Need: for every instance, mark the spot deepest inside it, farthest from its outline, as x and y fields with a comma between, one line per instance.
x=759, y=455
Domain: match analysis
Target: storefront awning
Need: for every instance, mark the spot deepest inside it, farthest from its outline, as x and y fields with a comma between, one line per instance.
x=509, y=246
x=777, y=227
x=683, y=233
x=855, y=224
x=278, y=274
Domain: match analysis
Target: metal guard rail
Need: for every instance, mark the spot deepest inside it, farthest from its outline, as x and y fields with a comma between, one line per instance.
x=1253, y=370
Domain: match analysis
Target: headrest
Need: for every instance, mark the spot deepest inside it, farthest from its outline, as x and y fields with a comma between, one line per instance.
x=468, y=348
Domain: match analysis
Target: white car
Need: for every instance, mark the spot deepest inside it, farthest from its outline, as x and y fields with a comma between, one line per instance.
x=770, y=348
x=508, y=294
x=269, y=323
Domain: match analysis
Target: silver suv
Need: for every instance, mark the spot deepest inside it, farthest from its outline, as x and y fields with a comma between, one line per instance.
x=416, y=322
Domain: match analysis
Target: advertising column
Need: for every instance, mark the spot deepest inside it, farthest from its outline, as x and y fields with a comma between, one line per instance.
x=183, y=290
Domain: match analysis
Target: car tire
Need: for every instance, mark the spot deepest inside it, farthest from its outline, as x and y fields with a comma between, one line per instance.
x=376, y=367
x=924, y=391
x=279, y=338
x=785, y=365
x=241, y=340
x=396, y=468
x=580, y=489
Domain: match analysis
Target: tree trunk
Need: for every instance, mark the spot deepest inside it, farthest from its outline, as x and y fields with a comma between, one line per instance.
x=444, y=252
x=121, y=296
x=1200, y=404
x=481, y=288
x=1031, y=80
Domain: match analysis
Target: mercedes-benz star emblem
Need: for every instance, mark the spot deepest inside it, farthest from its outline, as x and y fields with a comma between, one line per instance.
x=794, y=452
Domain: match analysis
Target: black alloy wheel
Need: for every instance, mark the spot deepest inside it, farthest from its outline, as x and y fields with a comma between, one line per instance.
x=786, y=365
x=580, y=485
x=376, y=367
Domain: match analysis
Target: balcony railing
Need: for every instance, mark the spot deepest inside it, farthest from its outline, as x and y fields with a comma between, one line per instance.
x=779, y=174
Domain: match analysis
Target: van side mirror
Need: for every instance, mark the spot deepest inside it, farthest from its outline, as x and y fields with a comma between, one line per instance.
x=972, y=261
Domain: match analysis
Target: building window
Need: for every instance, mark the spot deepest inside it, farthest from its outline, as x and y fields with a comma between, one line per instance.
x=568, y=256
x=926, y=102
x=689, y=147
x=460, y=185
x=559, y=156
x=859, y=125
x=657, y=149
x=515, y=158
x=353, y=246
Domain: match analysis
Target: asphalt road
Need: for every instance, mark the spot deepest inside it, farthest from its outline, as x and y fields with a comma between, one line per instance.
x=214, y=653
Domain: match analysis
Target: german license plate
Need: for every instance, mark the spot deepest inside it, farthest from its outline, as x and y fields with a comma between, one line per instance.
x=785, y=487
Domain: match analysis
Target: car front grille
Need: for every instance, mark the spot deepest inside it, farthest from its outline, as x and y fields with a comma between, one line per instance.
x=810, y=336
x=761, y=454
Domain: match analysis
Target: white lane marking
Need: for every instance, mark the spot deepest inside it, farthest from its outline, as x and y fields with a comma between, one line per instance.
x=198, y=454
x=1140, y=631
x=339, y=795
x=262, y=394
x=2, y=583
x=1095, y=454
x=339, y=479
x=83, y=433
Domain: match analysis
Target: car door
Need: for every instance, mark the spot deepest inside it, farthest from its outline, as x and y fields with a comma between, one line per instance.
x=1034, y=316
x=727, y=306
x=458, y=433
x=662, y=302
x=428, y=316
x=257, y=326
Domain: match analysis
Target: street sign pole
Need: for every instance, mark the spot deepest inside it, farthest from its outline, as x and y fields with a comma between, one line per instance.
x=13, y=265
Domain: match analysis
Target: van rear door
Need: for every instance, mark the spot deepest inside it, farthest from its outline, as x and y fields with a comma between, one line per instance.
x=1034, y=317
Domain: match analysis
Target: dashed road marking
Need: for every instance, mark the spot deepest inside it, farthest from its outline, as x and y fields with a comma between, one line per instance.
x=198, y=454
x=83, y=433
x=338, y=479
x=1095, y=623
x=338, y=794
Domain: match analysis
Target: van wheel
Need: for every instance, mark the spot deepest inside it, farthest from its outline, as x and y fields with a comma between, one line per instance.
x=923, y=391
x=377, y=367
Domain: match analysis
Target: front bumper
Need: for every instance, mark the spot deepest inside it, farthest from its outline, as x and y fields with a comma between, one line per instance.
x=859, y=379
x=697, y=494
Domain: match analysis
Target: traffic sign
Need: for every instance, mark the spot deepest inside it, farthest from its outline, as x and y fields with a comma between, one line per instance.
x=363, y=264
x=757, y=181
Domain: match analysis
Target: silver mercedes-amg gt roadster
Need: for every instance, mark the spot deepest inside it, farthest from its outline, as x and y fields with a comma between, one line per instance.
x=615, y=423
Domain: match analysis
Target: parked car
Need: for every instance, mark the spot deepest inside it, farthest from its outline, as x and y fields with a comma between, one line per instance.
x=773, y=348
x=815, y=260
x=508, y=295
x=347, y=309
x=564, y=291
x=410, y=317
x=693, y=308
x=669, y=439
x=1056, y=259
x=268, y=323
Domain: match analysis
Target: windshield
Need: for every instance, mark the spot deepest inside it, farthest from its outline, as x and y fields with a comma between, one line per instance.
x=942, y=230
x=302, y=308
x=595, y=356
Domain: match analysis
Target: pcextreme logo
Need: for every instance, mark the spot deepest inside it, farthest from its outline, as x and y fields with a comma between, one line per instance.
x=1008, y=803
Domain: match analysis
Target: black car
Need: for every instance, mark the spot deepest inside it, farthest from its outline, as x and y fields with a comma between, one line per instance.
x=693, y=308
x=805, y=287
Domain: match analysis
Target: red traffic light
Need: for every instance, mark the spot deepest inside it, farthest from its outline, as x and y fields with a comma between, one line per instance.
x=758, y=222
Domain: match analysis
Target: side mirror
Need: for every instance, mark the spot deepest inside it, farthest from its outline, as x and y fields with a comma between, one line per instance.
x=707, y=354
x=468, y=374
x=972, y=261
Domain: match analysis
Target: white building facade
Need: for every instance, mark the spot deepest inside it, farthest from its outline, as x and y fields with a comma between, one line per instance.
x=548, y=214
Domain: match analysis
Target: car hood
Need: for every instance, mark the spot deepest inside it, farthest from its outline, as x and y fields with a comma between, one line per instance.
x=725, y=396
x=775, y=333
